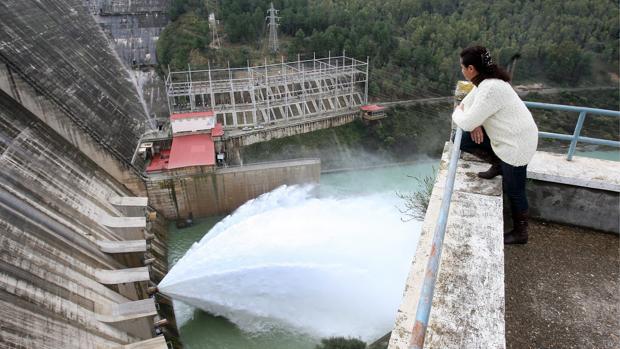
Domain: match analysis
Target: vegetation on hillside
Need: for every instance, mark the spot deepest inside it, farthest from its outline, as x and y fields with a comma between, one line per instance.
x=413, y=45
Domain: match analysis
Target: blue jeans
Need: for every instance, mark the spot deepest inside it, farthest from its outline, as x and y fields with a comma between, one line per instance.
x=513, y=177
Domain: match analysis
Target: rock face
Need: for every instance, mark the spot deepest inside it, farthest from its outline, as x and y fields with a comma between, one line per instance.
x=56, y=47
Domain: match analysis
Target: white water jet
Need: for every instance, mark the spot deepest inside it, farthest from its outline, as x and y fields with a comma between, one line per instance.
x=288, y=260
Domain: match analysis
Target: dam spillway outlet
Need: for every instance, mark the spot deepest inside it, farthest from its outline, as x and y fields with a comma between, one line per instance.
x=289, y=260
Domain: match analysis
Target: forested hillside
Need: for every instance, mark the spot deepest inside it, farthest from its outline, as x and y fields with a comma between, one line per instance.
x=413, y=45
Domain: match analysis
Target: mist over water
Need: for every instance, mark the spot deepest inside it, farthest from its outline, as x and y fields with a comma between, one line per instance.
x=289, y=260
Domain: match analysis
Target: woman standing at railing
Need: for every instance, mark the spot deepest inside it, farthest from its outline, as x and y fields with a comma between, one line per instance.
x=501, y=130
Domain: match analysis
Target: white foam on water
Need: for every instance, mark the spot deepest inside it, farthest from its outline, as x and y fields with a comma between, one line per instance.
x=288, y=260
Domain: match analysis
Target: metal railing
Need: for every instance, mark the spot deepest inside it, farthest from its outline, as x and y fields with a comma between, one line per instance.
x=575, y=137
x=432, y=268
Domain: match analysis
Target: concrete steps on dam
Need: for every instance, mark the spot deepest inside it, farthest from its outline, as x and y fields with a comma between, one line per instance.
x=125, y=246
x=127, y=311
x=121, y=276
x=127, y=227
x=132, y=206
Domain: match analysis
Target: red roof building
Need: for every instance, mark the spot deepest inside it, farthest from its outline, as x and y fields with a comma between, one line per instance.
x=373, y=112
x=192, y=142
x=191, y=150
x=372, y=108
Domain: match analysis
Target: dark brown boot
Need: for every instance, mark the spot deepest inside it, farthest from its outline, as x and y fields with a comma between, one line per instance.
x=491, y=158
x=494, y=171
x=518, y=235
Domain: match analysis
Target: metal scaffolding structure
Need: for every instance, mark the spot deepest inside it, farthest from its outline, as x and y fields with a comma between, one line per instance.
x=271, y=93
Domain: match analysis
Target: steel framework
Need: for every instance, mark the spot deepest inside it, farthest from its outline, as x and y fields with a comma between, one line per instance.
x=273, y=29
x=271, y=93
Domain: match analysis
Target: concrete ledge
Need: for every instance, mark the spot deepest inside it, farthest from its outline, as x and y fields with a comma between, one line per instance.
x=468, y=306
x=158, y=342
x=127, y=311
x=121, y=222
x=132, y=201
x=128, y=228
x=584, y=192
x=122, y=246
x=581, y=171
x=120, y=276
x=130, y=205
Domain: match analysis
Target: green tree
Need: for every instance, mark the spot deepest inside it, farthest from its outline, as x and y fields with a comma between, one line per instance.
x=341, y=343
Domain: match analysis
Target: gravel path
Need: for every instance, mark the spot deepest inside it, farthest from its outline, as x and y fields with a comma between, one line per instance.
x=562, y=289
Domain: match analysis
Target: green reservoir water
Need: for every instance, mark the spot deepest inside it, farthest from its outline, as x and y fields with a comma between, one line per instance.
x=200, y=330
x=613, y=155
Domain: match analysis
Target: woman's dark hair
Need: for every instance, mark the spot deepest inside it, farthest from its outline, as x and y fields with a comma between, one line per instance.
x=480, y=58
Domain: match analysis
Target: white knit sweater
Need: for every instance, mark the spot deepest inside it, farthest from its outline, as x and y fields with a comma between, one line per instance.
x=505, y=118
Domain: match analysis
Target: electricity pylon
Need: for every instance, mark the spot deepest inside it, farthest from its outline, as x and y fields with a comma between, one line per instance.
x=273, y=29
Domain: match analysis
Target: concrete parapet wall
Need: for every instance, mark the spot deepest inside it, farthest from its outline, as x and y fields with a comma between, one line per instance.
x=584, y=192
x=568, y=204
x=226, y=189
x=468, y=305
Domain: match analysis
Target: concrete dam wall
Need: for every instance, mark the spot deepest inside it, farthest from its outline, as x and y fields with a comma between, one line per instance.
x=56, y=61
x=222, y=191
x=58, y=288
x=77, y=254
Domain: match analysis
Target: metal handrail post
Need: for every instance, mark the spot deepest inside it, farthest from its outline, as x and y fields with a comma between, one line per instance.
x=583, y=111
x=573, y=142
x=432, y=268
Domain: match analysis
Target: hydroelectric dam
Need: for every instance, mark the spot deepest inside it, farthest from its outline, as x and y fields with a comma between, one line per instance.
x=99, y=155
x=91, y=176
